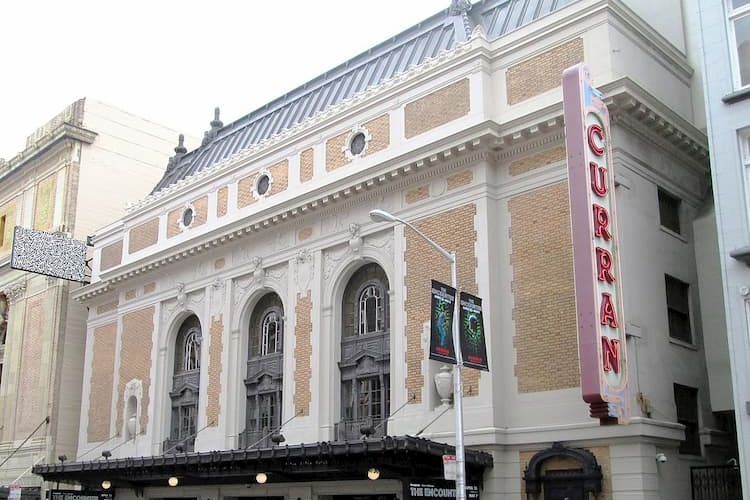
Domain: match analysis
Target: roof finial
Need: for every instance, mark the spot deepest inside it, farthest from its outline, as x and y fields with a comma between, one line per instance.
x=216, y=123
x=180, y=149
x=206, y=138
x=459, y=7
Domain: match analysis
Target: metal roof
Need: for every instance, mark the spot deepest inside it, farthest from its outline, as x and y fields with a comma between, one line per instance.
x=422, y=41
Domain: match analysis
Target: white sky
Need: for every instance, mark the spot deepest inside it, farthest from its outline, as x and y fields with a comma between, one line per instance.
x=174, y=61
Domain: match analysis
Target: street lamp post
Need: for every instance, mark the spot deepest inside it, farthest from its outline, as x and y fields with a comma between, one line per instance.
x=378, y=215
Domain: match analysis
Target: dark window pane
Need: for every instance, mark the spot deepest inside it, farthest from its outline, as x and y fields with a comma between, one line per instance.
x=736, y=4
x=678, y=309
x=669, y=211
x=686, y=401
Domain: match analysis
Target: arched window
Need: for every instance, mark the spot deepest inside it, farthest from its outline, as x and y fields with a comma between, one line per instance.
x=365, y=354
x=185, y=387
x=192, y=352
x=265, y=377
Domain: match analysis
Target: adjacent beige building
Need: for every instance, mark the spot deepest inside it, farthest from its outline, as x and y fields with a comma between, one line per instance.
x=60, y=182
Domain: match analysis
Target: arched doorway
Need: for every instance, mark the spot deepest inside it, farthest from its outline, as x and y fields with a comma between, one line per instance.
x=562, y=473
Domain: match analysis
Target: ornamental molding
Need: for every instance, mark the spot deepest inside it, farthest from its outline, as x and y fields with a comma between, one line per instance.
x=15, y=292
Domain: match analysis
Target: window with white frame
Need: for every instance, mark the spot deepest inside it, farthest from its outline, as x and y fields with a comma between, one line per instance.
x=739, y=39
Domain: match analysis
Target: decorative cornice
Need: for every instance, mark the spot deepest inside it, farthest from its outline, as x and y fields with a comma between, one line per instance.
x=453, y=156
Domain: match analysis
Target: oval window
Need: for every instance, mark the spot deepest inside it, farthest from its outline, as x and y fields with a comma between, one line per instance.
x=357, y=144
x=264, y=182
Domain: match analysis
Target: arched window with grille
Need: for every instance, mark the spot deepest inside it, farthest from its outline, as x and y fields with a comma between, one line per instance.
x=265, y=378
x=185, y=387
x=365, y=354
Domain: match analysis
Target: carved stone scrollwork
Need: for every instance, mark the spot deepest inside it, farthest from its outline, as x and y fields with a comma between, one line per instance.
x=15, y=292
x=258, y=272
x=181, y=295
x=304, y=271
x=355, y=241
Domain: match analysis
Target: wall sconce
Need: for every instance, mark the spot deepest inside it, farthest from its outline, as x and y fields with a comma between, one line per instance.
x=173, y=481
x=106, y=454
x=373, y=474
x=106, y=484
x=661, y=458
x=62, y=458
x=261, y=477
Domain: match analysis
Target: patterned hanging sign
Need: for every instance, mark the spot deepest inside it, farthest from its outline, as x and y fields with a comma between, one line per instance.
x=441, y=323
x=471, y=326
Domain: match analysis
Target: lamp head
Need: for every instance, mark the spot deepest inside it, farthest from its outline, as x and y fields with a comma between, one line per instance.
x=379, y=215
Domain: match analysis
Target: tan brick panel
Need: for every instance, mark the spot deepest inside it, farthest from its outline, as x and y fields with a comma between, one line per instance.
x=245, y=188
x=305, y=233
x=418, y=194
x=564, y=463
x=380, y=134
x=111, y=256
x=45, y=203
x=135, y=360
x=31, y=387
x=102, y=378
x=303, y=354
x=213, y=409
x=222, y=201
x=107, y=307
x=130, y=294
x=280, y=175
x=543, y=294
x=335, y=156
x=8, y=216
x=436, y=109
x=173, y=222
x=201, y=211
x=149, y=288
x=220, y=263
x=542, y=72
x=144, y=236
x=460, y=179
x=538, y=160
x=306, y=165
x=453, y=230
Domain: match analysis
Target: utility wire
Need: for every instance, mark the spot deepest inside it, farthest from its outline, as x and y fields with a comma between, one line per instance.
x=45, y=421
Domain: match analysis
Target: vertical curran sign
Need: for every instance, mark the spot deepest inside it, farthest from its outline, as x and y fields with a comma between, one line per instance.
x=601, y=326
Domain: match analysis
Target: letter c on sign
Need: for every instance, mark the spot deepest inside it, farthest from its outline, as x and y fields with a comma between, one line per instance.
x=596, y=139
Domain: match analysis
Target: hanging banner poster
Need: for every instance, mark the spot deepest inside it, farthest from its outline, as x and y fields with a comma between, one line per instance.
x=441, y=323
x=471, y=327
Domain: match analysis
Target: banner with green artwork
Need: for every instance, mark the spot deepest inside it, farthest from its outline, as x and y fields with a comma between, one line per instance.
x=441, y=323
x=471, y=329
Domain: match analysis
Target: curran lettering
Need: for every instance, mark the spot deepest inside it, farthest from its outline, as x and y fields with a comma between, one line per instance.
x=601, y=333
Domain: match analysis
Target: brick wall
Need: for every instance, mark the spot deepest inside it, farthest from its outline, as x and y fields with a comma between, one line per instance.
x=303, y=354
x=144, y=236
x=31, y=388
x=437, y=108
x=460, y=179
x=130, y=294
x=306, y=165
x=543, y=293
x=222, y=201
x=201, y=211
x=102, y=378
x=305, y=233
x=538, y=160
x=106, y=307
x=564, y=463
x=543, y=72
x=213, y=409
x=173, y=222
x=44, y=207
x=200, y=215
x=453, y=230
x=135, y=360
x=149, y=288
x=380, y=138
x=245, y=188
x=8, y=211
x=111, y=256
x=280, y=175
x=417, y=194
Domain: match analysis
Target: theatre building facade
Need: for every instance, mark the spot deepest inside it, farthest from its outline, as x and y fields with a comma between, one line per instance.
x=252, y=332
